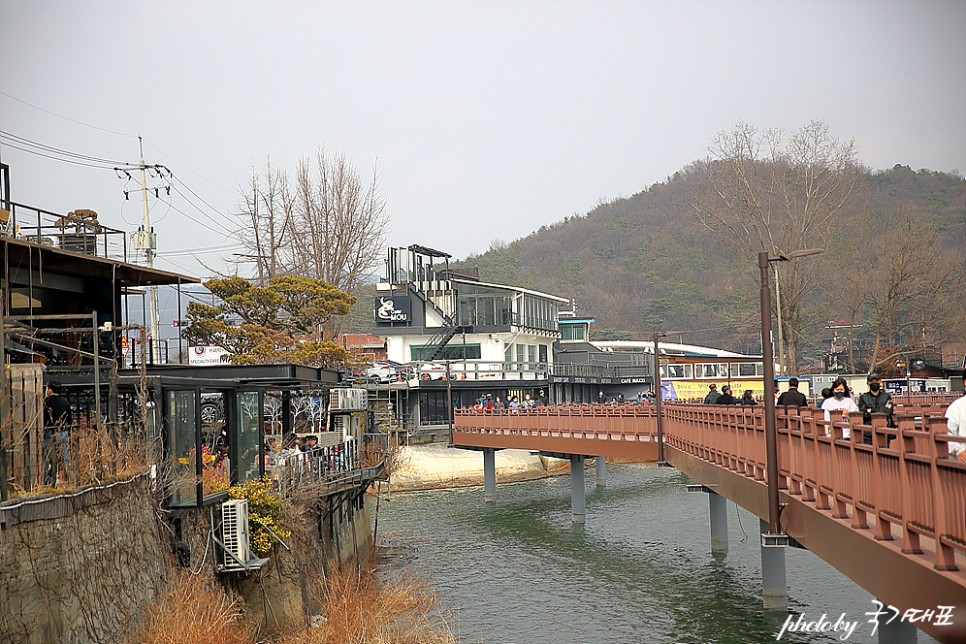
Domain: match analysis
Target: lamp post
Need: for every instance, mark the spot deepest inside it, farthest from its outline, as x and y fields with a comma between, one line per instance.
x=771, y=430
x=657, y=400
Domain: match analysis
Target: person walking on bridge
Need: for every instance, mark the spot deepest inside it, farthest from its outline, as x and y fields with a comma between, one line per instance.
x=726, y=398
x=712, y=397
x=793, y=397
x=841, y=402
x=874, y=401
x=956, y=425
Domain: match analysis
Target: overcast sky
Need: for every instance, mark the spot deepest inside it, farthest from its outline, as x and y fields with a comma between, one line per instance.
x=487, y=119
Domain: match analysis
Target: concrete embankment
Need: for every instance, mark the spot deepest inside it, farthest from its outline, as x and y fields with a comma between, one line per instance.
x=427, y=467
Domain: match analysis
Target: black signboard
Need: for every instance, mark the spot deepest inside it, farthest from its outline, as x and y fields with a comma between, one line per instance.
x=394, y=309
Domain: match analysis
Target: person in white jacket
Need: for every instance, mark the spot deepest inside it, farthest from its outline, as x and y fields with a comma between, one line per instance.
x=841, y=403
x=956, y=425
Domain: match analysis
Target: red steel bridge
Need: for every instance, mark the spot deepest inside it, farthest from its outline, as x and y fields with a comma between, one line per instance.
x=890, y=515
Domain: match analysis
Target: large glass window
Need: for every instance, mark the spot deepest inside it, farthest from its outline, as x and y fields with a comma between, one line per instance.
x=180, y=424
x=452, y=351
x=482, y=306
x=246, y=403
x=433, y=407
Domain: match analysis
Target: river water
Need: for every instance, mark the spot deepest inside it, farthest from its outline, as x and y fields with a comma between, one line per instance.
x=639, y=571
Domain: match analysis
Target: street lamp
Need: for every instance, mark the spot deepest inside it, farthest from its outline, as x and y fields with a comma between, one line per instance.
x=657, y=400
x=771, y=431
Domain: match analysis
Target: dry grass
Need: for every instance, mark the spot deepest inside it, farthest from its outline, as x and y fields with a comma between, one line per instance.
x=97, y=455
x=195, y=611
x=361, y=609
x=371, y=454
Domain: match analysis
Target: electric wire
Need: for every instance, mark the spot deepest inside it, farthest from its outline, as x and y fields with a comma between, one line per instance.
x=203, y=224
x=40, y=154
x=67, y=118
x=200, y=176
x=201, y=211
x=53, y=149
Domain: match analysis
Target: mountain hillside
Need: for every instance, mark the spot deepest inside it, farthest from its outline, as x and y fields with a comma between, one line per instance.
x=648, y=263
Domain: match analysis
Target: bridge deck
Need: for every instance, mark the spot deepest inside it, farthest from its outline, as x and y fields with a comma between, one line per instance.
x=890, y=515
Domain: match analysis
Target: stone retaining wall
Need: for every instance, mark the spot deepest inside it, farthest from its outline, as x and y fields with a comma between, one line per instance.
x=80, y=567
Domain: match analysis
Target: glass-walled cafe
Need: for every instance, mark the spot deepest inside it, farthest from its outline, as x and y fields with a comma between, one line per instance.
x=220, y=431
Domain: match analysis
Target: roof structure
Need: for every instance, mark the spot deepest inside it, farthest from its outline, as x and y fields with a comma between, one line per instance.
x=23, y=254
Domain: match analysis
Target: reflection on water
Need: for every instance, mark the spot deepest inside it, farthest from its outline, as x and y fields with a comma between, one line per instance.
x=640, y=570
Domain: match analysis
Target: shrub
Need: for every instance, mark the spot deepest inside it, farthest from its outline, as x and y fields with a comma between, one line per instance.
x=264, y=514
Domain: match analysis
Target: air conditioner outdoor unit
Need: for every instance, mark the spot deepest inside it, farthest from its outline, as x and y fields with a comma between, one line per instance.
x=340, y=425
x=234, y=532
x=346, y=399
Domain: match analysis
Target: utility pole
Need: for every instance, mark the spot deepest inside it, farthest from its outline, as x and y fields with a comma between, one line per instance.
x=145, y=239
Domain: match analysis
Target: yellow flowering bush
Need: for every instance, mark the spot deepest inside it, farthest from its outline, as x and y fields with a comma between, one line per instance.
x=264, y=513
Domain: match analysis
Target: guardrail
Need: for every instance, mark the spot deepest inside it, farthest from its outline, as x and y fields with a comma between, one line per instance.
x=904, y=479
x=75, y=234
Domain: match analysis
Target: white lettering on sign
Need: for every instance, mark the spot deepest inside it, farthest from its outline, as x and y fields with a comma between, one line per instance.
x=387, y=311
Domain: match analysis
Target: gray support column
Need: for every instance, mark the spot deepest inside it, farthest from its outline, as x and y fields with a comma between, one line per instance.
x=601, y=472
x=719, y=522
x=489, y=476
x=577, y=488
x=774, y=585
x=898, y=632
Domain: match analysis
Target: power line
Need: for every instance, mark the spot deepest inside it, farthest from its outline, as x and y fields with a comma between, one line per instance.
x=224, y=229
x=214, y=183
x=53, y=149
x=202, y=224
x=67, y=118
x=202, y=251
x=40, y=154
x=213, y=209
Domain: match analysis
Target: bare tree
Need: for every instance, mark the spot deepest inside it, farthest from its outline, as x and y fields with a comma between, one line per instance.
x=266, y=222
x=339, y=222
x=766, y=193
x=327, y=223
x=909, y=285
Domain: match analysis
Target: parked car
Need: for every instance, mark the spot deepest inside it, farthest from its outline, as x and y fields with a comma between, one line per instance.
x=383, y=372
x=432, y=371
x=212, y=407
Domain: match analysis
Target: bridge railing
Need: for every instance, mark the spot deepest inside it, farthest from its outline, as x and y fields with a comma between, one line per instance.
x=585, y=420
x=904, y=479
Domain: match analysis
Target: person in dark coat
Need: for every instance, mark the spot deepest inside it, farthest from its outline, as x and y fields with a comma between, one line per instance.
x=748, y=398
x=793, y=397
x=726, y=398
x=875, y=400
x=57, y=425
x=712, y=396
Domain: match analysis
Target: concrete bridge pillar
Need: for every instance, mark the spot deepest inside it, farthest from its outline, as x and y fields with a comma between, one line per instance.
x=774, y=585
x=719, y=522
x=897, y=632
x=489, y=476
x=601, y=472
x=577, y=488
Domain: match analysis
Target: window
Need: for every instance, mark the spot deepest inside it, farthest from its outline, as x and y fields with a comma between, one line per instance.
x=452, y=351
x=248, y=438
x=711, y=370
x=572, y=332
x=747, y=369
x=180, y=424
x=672, y=371
x=432, y=407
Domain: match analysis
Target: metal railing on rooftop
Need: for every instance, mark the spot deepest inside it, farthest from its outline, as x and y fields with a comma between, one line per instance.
x=72, y=233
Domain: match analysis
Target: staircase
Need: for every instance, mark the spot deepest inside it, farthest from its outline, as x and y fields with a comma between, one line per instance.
x=442, y=338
